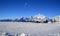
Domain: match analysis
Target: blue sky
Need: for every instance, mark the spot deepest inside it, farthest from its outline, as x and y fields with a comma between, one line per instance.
x=26, y=8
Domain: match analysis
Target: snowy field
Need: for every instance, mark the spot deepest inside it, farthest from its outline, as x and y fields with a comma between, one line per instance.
x=32, y=29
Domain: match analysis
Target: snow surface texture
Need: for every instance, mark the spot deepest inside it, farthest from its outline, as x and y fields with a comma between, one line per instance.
x=31, y=29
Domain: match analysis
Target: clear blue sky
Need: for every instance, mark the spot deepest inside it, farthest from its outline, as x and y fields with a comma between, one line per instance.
x=26, y=8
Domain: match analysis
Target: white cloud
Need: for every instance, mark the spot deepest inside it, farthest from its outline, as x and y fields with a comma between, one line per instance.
x=26, y=4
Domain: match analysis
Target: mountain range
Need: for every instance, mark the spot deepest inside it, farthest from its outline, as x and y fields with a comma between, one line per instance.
x=39, y=18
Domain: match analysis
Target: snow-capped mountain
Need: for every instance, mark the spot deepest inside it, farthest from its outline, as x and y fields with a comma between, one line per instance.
x=38, y=17
x=56, y=19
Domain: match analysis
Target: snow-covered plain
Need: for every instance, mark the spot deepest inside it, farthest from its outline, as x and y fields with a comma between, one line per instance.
x=32, y=29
